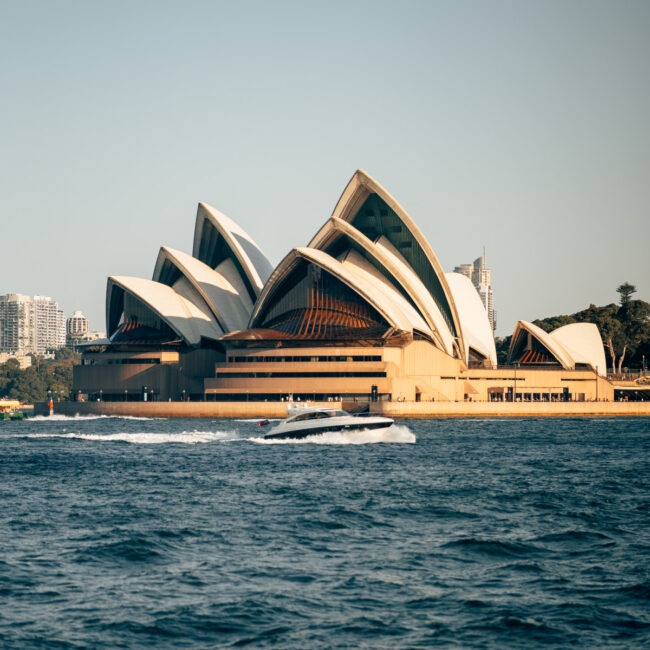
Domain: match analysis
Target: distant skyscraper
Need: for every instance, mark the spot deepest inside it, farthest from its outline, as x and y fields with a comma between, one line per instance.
x=30, y=324
x=481, y=278
x=77, y=325
x=77, y=329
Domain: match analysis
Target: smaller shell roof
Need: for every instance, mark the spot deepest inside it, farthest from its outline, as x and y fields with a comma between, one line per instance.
x=576, y=343
x=583, y=342
x=182, y=316
x=554, y=347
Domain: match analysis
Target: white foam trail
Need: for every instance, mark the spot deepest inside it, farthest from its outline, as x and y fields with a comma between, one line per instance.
x=76, y=418
x=397, y=434
x=142, y=438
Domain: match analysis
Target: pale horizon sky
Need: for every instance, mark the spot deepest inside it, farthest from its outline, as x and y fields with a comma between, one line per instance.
x=521, y=127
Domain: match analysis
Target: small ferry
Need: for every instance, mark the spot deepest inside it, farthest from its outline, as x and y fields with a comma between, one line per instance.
x=10, y=410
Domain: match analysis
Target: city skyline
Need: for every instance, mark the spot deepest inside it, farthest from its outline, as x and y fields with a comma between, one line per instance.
x=521, y=127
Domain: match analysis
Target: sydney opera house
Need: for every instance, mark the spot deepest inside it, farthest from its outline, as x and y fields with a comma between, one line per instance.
x=363, y=312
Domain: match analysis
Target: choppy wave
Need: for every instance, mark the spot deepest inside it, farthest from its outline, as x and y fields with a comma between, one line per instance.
x=508, y=534
x=493, y=548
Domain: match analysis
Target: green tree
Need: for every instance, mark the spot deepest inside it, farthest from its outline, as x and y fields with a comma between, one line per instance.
x=30, y=385
x=625, y=290
x=552, y=323
x=624, y=327
x=8, y=373
x=503, y=348
x=33, y=383
x=635, y=328
x=612, y=335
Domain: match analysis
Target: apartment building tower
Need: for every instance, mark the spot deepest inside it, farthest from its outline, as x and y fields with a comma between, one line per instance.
x=77, y=329
x=30, y=324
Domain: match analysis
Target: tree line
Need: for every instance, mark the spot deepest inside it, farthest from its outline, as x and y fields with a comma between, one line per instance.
x=32, y=384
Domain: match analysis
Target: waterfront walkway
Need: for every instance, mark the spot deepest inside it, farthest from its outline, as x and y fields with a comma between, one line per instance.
x=390, y=409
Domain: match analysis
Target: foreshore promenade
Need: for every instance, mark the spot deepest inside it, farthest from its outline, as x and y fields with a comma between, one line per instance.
x=390, y=409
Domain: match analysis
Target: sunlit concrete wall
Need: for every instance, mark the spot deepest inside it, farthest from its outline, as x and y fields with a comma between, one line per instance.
x=509, y=409
x=415, y=371
x=389, y=409
x=112, y=374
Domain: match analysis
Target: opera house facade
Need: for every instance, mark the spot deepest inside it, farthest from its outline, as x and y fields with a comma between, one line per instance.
x=363, y=312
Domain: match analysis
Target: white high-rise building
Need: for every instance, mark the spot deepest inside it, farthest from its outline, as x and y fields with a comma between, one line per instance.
x=481, y=278
x=30, y=324
x=77, y=325
x=77, y=329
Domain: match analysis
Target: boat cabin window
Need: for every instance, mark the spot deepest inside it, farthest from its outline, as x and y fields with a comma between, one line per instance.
x=312, y=415
x=317, y=415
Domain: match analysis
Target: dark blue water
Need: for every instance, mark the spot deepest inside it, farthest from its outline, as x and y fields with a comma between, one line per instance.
x=127, y=533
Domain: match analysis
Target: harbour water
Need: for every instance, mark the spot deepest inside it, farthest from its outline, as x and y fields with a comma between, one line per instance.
x=170, y=533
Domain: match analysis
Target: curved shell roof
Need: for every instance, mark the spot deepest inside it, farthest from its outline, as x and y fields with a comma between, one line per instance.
x=370, y=249
x=181, y=315
x=240, y=247
x=477, y=331
x=362, y=283
x=582, y=341
x=363, y=269
x=221, y=289
x=353, y=207
x=576, y=343
x=553, y=346
x=403, y=275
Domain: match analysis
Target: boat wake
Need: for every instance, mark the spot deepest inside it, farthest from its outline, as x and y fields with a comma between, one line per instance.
x=144, y=438
x=78, y=418
x=397, y=434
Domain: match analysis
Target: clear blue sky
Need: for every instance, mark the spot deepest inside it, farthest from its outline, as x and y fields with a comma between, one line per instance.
x=520, y=126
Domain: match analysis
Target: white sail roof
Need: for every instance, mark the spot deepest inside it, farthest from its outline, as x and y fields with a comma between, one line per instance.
x=369, y=289
x=362, y=268
x=246, y=254
x=583, y=342
x=221, y=289
x=474, y=320
x=185, y=318
x=359, y=188
x=388, y=256
x=553, y=346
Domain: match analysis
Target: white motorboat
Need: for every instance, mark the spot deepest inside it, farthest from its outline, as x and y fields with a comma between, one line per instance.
x=313, y=421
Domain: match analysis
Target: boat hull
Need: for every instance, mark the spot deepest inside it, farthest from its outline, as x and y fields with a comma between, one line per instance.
x=356, y=427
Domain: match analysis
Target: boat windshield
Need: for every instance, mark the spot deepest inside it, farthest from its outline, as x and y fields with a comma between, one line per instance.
x=317, y=415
